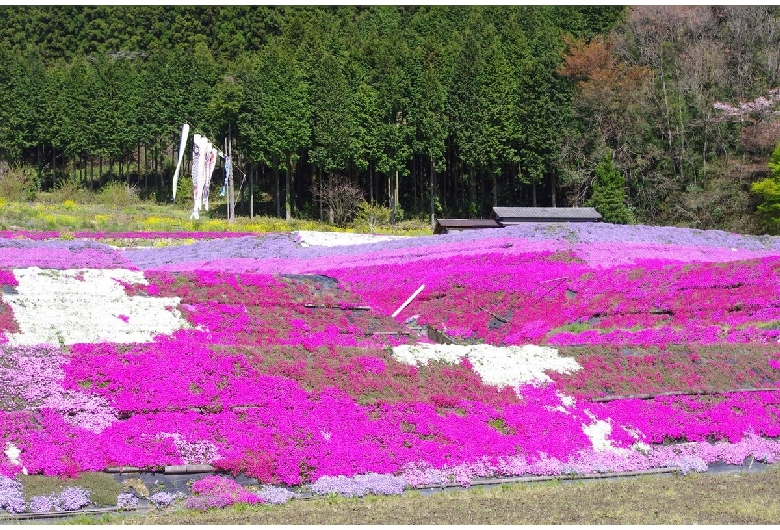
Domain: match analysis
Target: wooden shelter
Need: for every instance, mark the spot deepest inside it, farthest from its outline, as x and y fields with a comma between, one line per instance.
x=505, y=215
x=511, y=215
x=445, y=226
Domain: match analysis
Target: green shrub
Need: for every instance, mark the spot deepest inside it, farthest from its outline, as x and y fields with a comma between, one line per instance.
x=70, y=190
x=118, y=195
x=371, y=216
x=16, y=185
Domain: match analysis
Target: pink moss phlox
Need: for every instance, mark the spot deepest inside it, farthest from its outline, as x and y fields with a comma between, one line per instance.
x=159, y=235
x=219, y=492
x=28, y=234
x=7, y=277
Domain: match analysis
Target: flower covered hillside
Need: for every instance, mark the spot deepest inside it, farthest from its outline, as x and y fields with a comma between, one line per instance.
x=392, y=361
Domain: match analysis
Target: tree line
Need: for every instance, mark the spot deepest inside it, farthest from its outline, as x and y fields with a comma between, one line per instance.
x=443, y=110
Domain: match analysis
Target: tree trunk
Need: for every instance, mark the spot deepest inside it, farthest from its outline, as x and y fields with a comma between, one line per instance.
x=533, y=193
x=38, y=164
x=287, y=203
x=477, y=205
x=552, y=187
x=433, y=193
x=395, y=193
x=315, y=184
x=330, y=205
x=444, y=190
x=472, y=194
x=276, y=195
x=319, y=174
x=138, y=164
x=293, y=193
x=390, y=199
x=455, y=192
x=495, y=189
x=415, y=177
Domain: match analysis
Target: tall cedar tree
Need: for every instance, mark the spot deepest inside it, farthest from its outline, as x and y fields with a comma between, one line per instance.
x=609, y=193
x=769, y=190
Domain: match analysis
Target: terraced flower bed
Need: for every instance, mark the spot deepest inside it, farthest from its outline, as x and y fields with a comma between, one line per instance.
x=578, y=350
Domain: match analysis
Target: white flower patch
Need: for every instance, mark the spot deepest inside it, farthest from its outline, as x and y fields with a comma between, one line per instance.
x=308, y=238
x=566, y=400
x=61, y=307
x=598, y=432
x=13, y=453
x=496, y=366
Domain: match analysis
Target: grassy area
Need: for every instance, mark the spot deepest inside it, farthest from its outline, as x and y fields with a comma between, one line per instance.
x=103, y=489
x=729, y=498
x=65, y=211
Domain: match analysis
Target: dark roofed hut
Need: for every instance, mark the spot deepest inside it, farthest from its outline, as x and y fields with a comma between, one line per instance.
x=510, y=215
x=445, y=226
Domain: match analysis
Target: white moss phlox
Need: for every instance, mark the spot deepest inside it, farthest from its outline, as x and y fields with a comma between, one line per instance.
x=13, y=453
x=496, y=366
x=60, y=307
x=597, y=432
x=308, y=238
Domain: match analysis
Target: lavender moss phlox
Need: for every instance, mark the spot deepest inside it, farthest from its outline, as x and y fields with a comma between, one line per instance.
x=284, y=247
x=359, y=485
x=44, y=504
x=275, y=494
x=11, y=495
x=73, y=498
x=60, y=254
x=126, y=501
x=162, y=499
x=68, y=500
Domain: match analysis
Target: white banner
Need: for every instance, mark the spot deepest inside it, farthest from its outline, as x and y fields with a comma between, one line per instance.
x=212, y=161
x=185, y=132
x=197, y=170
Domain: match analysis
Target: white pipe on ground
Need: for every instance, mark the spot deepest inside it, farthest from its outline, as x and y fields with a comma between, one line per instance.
x=408, y=301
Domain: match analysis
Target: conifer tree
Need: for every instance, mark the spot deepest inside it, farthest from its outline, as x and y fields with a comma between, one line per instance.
x=769, y=189
x=609, y=193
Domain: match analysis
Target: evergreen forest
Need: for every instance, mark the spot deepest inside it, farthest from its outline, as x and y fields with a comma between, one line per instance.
x=658, y=114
